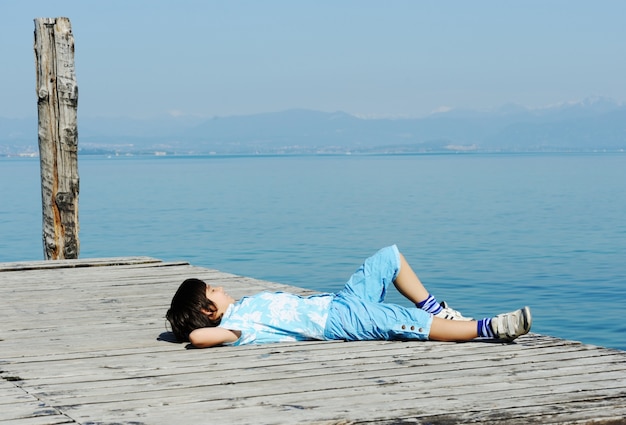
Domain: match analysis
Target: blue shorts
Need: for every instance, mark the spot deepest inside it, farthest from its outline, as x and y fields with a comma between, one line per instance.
x=358, y=313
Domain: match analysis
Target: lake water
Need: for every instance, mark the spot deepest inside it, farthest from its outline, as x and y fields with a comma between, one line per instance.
x=487, y=232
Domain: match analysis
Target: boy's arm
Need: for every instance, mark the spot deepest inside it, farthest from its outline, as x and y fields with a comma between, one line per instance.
x=209, y=337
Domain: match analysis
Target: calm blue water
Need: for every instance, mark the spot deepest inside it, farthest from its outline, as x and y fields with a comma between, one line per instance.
x=488, y=233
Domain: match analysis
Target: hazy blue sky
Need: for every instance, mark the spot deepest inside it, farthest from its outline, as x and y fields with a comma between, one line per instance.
x=147, y=58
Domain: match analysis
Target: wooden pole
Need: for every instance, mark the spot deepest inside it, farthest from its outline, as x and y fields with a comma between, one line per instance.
x=57, y=95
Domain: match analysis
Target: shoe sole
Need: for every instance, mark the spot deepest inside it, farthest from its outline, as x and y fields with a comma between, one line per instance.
x=528, y=319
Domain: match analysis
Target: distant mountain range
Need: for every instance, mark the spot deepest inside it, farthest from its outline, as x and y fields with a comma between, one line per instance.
x=590, y=125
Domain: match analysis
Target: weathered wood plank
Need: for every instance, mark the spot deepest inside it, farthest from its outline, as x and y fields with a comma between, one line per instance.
x=20, y=408
x=89, y=262
x=245, y=386
x=354, y=391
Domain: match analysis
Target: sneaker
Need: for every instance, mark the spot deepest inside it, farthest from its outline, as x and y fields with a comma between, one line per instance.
x=449, y=313
x=509, y=326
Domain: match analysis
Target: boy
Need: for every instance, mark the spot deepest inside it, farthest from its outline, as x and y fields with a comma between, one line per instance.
x=207, y=316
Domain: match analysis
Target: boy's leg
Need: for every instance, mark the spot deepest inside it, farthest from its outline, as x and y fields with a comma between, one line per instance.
x=507, y=326
x=409, y=285
x=452, y=330
x=371, y=280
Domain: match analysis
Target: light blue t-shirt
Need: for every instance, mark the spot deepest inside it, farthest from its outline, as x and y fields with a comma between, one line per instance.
x=278, y=317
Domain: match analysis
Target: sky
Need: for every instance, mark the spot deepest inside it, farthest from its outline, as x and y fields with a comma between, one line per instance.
x=153, y=58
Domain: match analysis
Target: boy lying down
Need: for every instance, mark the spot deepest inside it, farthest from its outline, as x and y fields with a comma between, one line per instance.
x=207, y=316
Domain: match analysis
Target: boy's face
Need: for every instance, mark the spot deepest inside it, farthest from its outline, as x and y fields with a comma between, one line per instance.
x=221, y=300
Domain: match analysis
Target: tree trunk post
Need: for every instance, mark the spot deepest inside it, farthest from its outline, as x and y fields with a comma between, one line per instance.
x=57, y=101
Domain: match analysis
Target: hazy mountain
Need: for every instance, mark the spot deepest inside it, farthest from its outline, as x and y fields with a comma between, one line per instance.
x=593, y=124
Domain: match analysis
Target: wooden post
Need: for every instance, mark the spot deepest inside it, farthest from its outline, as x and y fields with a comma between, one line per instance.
x=57, y=95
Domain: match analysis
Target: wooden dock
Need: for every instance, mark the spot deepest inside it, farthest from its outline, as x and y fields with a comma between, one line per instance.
x=84, y=341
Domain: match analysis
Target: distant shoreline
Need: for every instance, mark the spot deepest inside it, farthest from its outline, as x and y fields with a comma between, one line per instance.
x=167, y=154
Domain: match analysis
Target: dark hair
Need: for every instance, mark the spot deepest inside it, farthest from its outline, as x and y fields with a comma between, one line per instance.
x=185, y=314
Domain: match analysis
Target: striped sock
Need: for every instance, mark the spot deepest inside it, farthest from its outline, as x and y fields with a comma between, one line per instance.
x=430, y=305
x=484, y=328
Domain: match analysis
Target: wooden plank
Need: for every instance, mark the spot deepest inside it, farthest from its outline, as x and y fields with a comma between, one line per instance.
x=88, y=262
x=248, y=385
x=20, y=408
